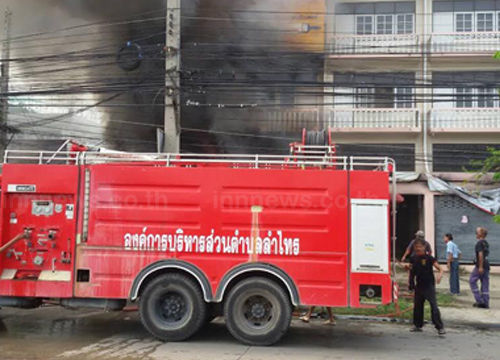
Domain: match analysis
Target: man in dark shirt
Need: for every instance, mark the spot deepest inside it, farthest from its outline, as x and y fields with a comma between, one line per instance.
x=421, y=270
x=481, y=271
x=410, y=250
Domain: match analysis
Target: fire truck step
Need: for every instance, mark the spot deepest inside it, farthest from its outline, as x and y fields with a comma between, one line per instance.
x=106, y=304
x=20, y=303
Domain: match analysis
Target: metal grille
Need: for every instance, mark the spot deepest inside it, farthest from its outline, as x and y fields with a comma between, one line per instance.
x=460, y=218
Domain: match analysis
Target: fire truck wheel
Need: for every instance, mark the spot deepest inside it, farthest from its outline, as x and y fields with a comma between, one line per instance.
x=258, y=312
x=172, y=308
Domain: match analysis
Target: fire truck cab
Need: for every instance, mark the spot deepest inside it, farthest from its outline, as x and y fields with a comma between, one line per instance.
x=189, y=237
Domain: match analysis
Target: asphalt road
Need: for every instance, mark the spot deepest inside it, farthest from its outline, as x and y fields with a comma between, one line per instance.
x=55, y=333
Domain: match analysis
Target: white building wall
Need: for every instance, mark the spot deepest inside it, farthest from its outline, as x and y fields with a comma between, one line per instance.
x=442, y=23
x=345, y=25
x=448, y=52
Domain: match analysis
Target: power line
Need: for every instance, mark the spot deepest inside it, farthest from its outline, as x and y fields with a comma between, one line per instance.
x=85, y=26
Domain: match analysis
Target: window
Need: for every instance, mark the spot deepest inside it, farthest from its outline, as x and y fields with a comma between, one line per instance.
x=484, y=21
x=464, y=97
x=405, y=23
x=486, y=98
x=476, y=98
x=463, y=22
x=454, y=157
x=385, y=97
x=385, y=24
x=364, y=25
x=404, y=97
x=377, y=90
x=365, y=97
x=404, y=154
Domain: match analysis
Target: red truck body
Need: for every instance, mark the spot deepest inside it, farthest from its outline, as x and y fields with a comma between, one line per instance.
x=104, y=229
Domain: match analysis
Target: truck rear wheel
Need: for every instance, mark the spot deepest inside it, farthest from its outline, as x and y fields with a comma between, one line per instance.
x=172, y=308
x=258, y=312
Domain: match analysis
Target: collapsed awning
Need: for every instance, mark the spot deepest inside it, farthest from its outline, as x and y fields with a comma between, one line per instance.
x=486, y=200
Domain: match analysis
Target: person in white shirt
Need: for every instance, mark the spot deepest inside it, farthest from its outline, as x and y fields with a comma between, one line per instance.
x=453, y=255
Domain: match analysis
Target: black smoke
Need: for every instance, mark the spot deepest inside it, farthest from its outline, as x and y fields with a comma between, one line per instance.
x=225, y=62
x=142, y=106
x=84, y=37
x=229, y=60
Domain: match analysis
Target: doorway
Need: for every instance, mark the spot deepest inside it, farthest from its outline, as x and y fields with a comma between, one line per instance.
x=409, y=221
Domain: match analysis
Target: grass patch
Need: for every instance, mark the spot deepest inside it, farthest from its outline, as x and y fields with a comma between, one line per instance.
x=405, y=307
x=446, y=299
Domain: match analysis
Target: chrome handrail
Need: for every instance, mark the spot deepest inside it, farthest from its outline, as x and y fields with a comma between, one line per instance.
x=317, y=157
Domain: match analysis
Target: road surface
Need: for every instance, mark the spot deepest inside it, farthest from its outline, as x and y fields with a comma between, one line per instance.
x=55, y=333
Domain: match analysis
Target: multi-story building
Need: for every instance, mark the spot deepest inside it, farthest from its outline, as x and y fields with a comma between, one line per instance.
x=417, y=81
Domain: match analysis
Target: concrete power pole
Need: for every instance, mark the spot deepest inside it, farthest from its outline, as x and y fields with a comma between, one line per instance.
x=173, y=66
x=4, y=83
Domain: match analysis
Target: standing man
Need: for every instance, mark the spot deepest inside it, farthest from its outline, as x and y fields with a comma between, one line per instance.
x=481, y=271
x=423, y=282
x=410, y=250
x=453, y=261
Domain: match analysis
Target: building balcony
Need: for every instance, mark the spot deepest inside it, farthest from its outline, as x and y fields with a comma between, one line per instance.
x=374, y=120
x=486, y=43
x=290, y=120
x=376, y=45
x=465, y=120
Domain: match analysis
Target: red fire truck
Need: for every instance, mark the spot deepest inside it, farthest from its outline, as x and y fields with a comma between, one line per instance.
x=190, y=237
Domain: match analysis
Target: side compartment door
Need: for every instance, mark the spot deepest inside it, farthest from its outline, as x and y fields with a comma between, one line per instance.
x=369, y=236
x=39, y=200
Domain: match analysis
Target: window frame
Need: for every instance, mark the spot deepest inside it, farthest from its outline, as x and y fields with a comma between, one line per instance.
x=493, y=27
x=464, y=98
x=365, y=97
x=395, y=28
x=404, y=22
x=364, y=16
x=473, y=17
x=472, y=97
x=404, y=99
x=385, y=28
x=486, y=91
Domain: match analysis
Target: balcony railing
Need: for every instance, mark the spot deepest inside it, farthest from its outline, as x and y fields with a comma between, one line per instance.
x=467, y=119
x=375, y=44
x=290, y=120
x=373, y=119
x=473, y=43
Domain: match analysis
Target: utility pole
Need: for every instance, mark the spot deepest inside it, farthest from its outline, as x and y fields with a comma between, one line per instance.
x=4, y=83
x=173, y=66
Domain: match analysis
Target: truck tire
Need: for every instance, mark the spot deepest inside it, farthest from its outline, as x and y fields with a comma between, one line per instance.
x=172, y=308
x=258, y=312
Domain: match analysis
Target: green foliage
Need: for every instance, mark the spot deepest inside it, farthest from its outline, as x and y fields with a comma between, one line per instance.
x=489, y=166
x=497, y=55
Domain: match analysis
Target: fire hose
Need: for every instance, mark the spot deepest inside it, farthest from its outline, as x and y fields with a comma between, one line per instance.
x=14, y=241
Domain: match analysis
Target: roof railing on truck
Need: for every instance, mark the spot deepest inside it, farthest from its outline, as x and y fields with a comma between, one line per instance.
x=309, y=158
